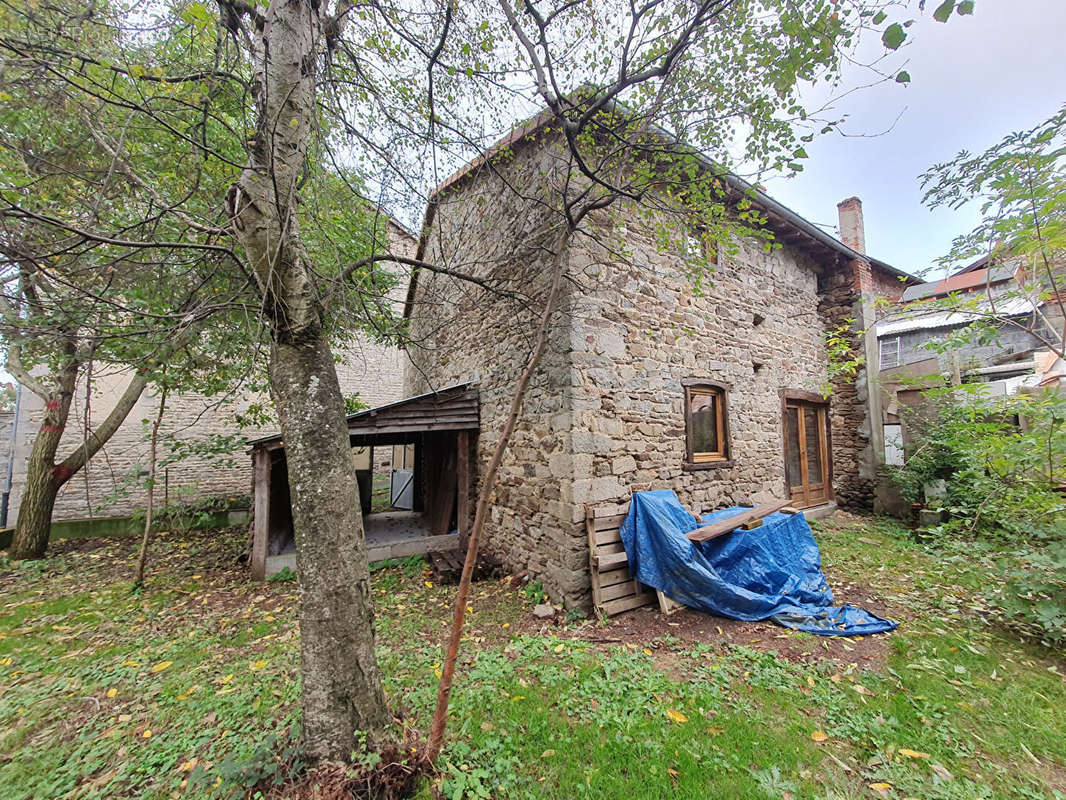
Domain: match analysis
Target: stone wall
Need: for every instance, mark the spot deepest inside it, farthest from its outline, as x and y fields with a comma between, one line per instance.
x=755, y=329
x=842, y=305
x=604, y=414
x=464, y=332
x=112, y=483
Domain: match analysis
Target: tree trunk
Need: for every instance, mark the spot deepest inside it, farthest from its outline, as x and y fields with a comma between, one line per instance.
x=44, y=478
x=341, y=682
x=38, y=499
x=142, y=556
x=451, y=650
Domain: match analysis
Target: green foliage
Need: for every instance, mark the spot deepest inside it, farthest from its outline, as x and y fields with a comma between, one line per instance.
x=533, y=716
x=1002, y=458
x=1020, y=186
x=1033, y=593
x=354, y=404
x=283, y=575
x=844, y=351
x=1004, y=463
x=534, y=592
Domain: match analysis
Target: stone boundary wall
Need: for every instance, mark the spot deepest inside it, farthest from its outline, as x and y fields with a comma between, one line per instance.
x=111, y=485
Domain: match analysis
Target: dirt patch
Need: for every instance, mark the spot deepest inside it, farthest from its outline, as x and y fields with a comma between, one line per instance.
x=643, y=626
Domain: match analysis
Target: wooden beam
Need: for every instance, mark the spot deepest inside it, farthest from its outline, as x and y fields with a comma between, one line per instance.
x=724, y=526
x=260, y=512
x=462, y=516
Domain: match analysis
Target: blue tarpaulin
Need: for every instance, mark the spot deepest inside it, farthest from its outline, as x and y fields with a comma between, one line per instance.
x=771, y=572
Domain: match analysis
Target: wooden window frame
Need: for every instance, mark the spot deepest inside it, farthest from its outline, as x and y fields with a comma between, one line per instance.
x=881, y=352
x=718, y=458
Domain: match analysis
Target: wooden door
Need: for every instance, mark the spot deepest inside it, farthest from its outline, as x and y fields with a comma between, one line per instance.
x=807, y=453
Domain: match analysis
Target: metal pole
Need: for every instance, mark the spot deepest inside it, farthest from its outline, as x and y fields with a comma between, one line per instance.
x=6, y=498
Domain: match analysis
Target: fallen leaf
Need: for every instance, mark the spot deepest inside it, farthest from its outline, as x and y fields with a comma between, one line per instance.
x=881, y=788
x=558, y=648
x=676, y=716
x=942, y=772
x=547, y=754
x=147, y=734
x=819, y=736
x=257, y=665
x=162, y=665
x=112, y=692
x=906, y=751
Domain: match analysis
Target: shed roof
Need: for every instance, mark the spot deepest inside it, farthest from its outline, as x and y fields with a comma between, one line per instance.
x=454, y=408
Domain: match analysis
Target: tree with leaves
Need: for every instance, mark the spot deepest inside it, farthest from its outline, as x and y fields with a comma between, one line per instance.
x=289, y=100
x=1020, y=186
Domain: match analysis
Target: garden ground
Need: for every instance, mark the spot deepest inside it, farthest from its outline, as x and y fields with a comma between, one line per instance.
x=190, y=688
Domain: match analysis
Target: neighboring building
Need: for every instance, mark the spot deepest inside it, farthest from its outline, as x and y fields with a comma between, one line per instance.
x=912, y=355
x=646, y=382
x=111, y=485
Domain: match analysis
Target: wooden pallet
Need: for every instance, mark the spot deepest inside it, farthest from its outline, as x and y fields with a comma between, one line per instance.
x=614, y=590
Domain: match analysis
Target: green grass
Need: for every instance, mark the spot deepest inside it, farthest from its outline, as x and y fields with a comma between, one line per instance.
x=951, y=707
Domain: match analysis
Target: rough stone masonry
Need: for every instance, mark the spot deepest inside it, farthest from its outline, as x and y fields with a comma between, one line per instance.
x=604, y=415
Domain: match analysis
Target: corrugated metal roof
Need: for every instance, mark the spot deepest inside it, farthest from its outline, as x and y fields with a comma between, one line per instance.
x=905, y=322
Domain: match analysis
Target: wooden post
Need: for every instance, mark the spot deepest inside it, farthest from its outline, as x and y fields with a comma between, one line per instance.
x=260, y=512
x=462, y=466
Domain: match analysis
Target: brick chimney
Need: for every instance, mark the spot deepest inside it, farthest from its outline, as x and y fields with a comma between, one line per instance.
x=852, y=232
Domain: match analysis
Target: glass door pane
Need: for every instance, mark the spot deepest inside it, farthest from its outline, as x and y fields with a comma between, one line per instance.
x=793, y=466
x=814, y=433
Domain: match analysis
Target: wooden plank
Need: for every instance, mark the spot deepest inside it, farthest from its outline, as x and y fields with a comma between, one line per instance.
x=610, y=510
x=605, y=562
x=413, y=547
x=627, y=603
x=366, y=430
x=617, y=590
x=594, y=573
x=260, y=513
x=462, y=445
x=445, y=489
x=724, y=526
x=609, y=523
x=613, y=576
x=666, y=604
x=608, y=537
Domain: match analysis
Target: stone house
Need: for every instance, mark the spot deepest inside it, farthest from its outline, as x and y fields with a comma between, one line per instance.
x=111, y=485
x=910, y=357
x=646, y=382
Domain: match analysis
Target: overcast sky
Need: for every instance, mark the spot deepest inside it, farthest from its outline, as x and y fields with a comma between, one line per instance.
x=974, y=80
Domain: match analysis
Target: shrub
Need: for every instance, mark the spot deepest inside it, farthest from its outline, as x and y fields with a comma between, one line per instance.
x=1004, y=464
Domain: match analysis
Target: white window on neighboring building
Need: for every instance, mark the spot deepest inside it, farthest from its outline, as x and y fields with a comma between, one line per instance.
x=894, y=445
x=889, y=352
